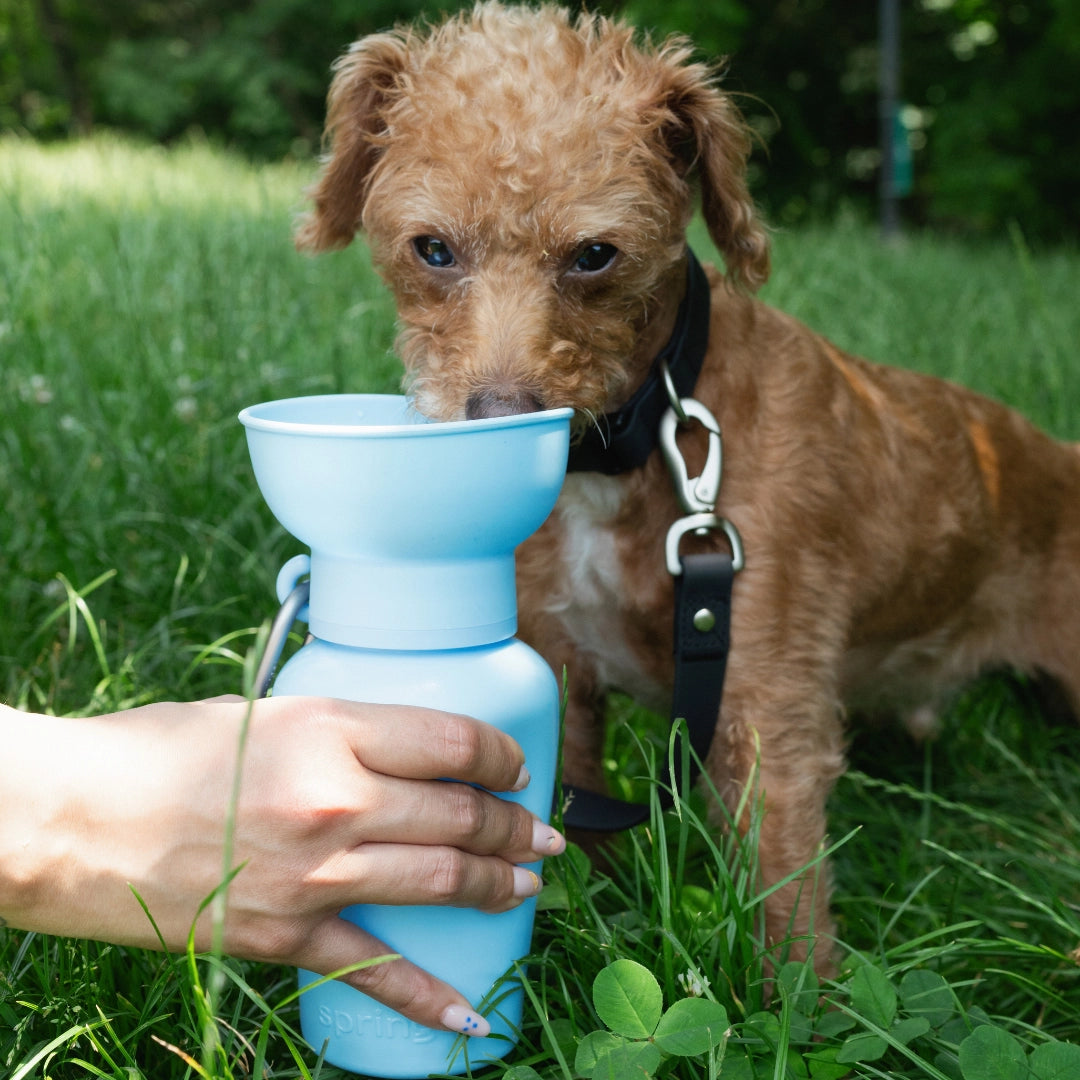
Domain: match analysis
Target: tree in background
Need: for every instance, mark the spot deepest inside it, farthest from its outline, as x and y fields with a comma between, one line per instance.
x=993, y=88
x=1003, y=100
x=993, y=92
x=251, y=73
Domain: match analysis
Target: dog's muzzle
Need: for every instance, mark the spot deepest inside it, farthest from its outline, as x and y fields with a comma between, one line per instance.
x=501, y=401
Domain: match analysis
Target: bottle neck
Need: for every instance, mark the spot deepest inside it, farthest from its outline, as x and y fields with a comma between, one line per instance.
x=412, y=604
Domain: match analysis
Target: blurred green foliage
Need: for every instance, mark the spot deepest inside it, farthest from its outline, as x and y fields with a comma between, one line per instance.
x=992, y=86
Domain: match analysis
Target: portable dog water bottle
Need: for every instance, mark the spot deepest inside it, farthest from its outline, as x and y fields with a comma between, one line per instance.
x=412, y=527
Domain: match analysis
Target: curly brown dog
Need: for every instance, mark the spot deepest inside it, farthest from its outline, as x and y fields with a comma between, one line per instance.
x=524, y=178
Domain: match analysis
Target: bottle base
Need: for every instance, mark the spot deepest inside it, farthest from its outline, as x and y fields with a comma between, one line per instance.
x=356, y=1033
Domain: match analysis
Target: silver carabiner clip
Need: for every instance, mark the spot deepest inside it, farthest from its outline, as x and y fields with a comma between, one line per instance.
x=696, y=495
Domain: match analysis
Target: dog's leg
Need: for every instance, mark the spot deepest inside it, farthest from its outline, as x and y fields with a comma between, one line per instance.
x=780, y=743
x=583, y=733
x=1052, y=633
x=583, y=738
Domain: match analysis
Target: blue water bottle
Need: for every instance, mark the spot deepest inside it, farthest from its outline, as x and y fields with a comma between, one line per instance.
x=412, y=528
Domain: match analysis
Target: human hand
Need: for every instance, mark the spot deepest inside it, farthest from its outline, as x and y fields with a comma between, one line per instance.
x=339, y=804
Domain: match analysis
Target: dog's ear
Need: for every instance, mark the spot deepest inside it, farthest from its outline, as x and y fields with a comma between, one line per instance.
x=365, y=79
x=709, y=137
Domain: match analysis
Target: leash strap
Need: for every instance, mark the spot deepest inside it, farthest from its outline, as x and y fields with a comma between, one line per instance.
x=702, y=642
x=702, y=639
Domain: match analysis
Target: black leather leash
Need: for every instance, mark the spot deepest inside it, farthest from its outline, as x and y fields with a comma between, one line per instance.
x=702, y=582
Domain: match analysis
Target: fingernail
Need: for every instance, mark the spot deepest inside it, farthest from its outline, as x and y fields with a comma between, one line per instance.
x=546, y=840
x=522, y=781
x=526, y=883
x=465, y=1021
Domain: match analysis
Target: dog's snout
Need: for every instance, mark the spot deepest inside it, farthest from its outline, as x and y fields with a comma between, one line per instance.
x=501, y=401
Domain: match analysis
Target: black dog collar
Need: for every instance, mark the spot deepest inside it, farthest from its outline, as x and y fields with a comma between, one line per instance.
x=623, y=440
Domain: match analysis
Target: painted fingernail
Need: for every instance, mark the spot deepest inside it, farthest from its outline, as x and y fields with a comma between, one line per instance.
x=465, y=1021
x=522, y=781
x=526, y=883
x=546, y=840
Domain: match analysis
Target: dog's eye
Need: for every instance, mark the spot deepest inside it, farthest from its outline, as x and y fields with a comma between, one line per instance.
x=594, y=257
x=434, y=252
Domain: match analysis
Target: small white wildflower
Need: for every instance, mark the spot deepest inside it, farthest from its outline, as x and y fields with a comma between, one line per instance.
x=39, y=389
x=186, y=408
x=69, y=423
x=693, y=985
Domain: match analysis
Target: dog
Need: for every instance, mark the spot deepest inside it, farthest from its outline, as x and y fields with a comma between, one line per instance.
x=524, y=178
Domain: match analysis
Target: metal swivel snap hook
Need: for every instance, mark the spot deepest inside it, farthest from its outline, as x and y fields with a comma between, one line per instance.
x=700, y=525
x=697, y=495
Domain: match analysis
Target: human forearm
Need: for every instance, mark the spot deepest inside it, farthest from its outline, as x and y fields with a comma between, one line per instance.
x=88, y=809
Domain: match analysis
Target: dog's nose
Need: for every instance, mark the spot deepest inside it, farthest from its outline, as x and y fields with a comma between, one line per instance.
x=501, y=401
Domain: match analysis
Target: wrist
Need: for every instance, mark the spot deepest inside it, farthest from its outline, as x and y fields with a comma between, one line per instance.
x=33, y=842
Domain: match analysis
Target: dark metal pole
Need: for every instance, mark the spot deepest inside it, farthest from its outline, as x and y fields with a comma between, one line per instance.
x=889, y=93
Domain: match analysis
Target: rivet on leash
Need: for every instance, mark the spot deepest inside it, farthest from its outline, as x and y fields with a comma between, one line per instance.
x=704, y=620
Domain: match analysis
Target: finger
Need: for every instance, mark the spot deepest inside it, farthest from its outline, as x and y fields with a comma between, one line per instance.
x=398, y=984
x=425, y=744
x=442, y=876
x=458, y=815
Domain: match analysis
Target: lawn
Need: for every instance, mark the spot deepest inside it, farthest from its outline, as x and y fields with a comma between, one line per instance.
x=148, y=295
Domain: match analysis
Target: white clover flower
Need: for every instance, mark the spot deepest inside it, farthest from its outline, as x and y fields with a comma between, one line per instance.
x=693, y=985
x=186, y=408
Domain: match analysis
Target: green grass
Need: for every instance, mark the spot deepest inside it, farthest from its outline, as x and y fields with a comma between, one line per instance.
x=145, y=297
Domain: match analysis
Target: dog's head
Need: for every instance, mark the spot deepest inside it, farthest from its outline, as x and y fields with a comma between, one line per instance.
x=524, y=180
